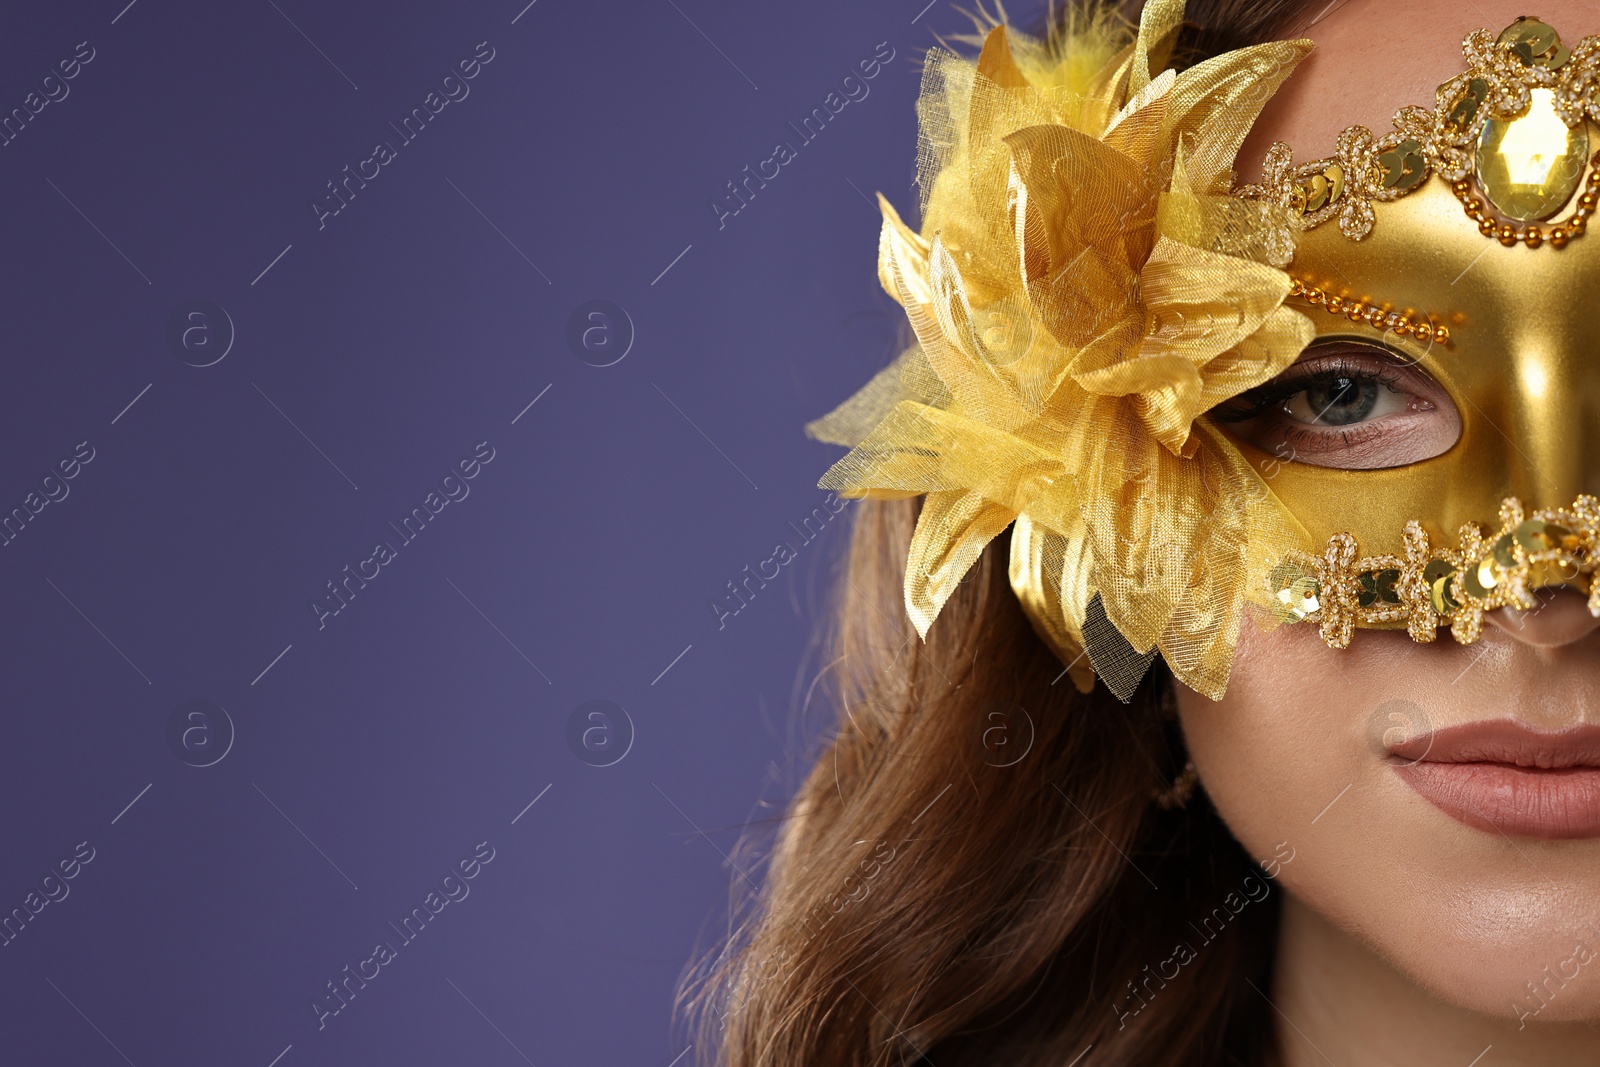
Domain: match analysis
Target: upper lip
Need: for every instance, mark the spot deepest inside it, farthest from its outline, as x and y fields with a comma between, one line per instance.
x=1504, y=741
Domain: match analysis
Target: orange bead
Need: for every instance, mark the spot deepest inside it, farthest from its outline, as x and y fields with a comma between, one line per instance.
x=1441, y=334
x=1508, y=234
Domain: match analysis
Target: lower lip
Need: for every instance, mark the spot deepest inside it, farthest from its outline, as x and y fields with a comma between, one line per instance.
x=1553, y=805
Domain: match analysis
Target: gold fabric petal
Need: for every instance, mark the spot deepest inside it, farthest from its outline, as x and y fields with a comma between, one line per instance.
x=1201, y=303
x=902, y=253
x=1081, y=292
x=1136, y=129
x=920, y=449
x=1158, y=28
x=951, y=533
x=1165, y=391
x=1049, y=570
x=1259, y=358
x=996, y=63
x=1215, y=102
x=1098, y=198
x=908, y=377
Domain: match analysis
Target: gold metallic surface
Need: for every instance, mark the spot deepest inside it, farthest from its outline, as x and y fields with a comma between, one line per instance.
x=1522, y=367
x=1094, y=217
x=1085, y=284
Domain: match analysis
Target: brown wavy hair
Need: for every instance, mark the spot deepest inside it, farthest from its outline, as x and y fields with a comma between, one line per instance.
x=974, y=871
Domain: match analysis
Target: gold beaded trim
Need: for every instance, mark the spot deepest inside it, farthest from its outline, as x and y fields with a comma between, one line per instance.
x=1383, y=317
x=1509, y=233
x=1502, y=71
x=1431, y=586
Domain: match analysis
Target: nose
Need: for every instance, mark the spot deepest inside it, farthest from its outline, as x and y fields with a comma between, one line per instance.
x=1560, y=618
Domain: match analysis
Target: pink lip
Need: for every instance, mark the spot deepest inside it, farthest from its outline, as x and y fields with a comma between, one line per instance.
x=1504, y=777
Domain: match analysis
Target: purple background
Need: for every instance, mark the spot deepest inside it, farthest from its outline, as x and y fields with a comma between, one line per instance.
x=368, y=359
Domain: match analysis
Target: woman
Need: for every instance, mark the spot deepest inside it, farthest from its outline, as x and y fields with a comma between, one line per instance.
x=1151, y=748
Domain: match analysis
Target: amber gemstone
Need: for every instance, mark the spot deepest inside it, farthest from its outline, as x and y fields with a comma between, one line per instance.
x=1531, y=165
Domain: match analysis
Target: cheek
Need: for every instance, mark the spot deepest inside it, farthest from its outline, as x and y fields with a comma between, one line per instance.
x=1293, y=757
x=1275, y=752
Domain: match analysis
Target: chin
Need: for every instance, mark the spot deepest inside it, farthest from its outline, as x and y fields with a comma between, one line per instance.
x=1543, y=970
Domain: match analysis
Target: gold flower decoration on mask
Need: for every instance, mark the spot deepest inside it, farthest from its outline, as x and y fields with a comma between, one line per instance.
x=1082, y=290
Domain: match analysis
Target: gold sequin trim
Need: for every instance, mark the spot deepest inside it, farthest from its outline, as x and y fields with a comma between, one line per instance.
x=1502, y=73
x=1435, y=585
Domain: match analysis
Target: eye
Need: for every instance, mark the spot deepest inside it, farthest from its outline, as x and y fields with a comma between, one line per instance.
x=1344, y=401
x=1346, y=404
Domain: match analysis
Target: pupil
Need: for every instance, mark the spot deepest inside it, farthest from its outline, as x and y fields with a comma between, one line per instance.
x=1342, y=401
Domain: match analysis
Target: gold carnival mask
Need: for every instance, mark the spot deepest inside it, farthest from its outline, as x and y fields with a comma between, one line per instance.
x=1088, y=284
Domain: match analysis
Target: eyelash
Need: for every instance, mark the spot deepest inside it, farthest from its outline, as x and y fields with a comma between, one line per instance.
x=1264, y=398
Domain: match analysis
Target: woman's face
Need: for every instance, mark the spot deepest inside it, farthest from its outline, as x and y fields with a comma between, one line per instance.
x=1442, y=800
